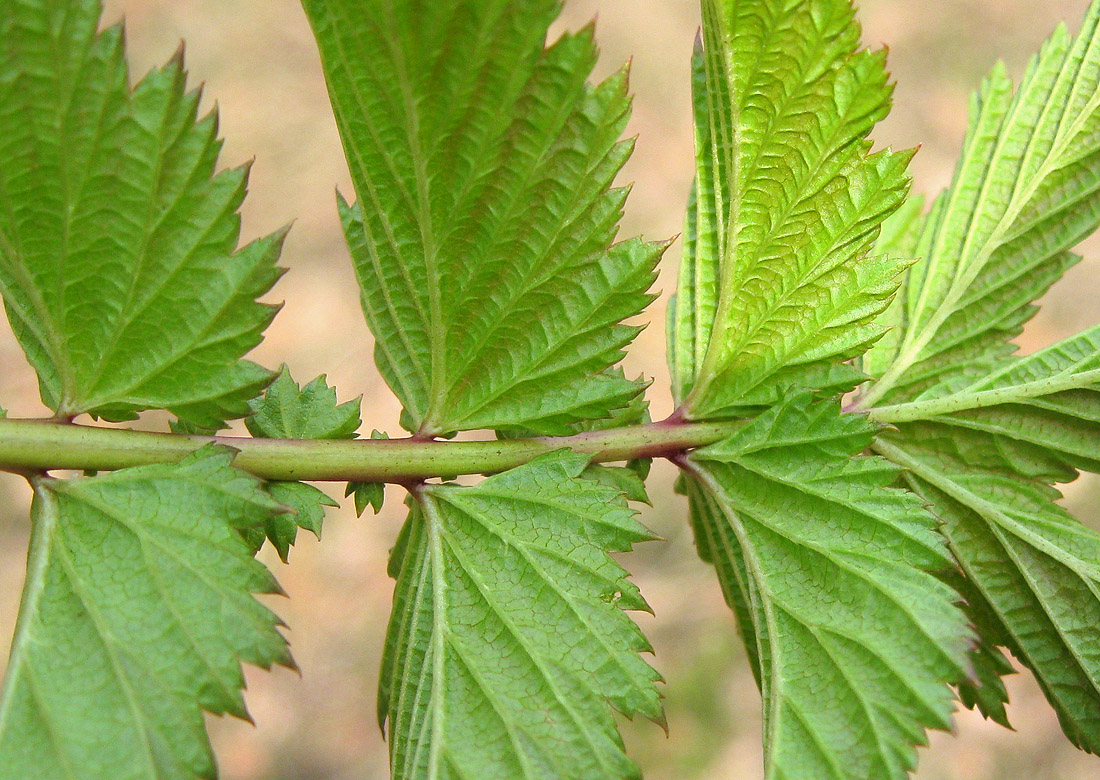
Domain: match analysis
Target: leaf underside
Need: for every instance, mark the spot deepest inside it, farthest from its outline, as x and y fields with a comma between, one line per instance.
x=986, y=435
x=852, y=639
x=138, y=612
x=118, y=267
x=508, y=637
x=482, y=238
x=1024, y=193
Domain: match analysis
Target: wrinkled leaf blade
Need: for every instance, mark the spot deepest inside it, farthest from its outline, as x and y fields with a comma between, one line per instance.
x=119, y=266
x=482, y=237
x=137, y=613
x=829, y=570
x=778, y=285
x=508, y=637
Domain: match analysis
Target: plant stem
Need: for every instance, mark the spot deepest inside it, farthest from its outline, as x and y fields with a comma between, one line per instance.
x=40, y=445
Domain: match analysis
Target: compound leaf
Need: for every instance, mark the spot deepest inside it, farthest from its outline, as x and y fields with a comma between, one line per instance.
x=117, y=241
x=852, y=639
x=482, y=236
x=778, y=286
x=1024, y=193
x=508, y=637
x=136, y=615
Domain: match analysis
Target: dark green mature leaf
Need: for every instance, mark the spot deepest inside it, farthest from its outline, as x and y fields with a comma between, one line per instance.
x=777, y=286
x=137, y=612
x=288, y=412
x=1035, y=570
x=508, y=637
x=481, y=238
x=851, y=637
x=1024, y=193
x=117, y=263
x=372, y=494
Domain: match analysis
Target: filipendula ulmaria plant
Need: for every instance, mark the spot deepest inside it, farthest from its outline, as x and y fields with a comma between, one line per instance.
x=869, y=468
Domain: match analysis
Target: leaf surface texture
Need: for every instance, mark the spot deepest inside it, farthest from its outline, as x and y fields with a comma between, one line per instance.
x=777, y=286
x=1023, y=194
x=482, y=238
x=287, y=411
x=828, y=569
x=137, y=612
x=508, y=637
x=118, y=262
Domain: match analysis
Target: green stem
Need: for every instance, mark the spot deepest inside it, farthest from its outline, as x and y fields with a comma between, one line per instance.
x=980, y=399
x=39, y=445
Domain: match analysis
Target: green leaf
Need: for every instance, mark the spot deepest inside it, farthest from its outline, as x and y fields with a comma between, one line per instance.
x=852, y=639
x=1034, y=570
x=307, y=510
x=1049, y=399
x=987, y=435
x=985, y=690
x=508, y=636
x=482, y=239
x=778, y=285
x=118, y=266
x=897, y=238
x=136, y=614
x=1023, y=194
x=186, y=428
x=372, y=494
x=622, y=479
x=288, y=412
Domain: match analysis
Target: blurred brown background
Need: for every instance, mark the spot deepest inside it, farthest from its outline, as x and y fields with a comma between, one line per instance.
x=259, y=65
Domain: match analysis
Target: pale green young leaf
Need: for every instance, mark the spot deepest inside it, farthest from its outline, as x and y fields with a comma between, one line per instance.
x=778, y=285
x=482, y=239
x=137, y=612
x=829, y=570
x=286, y=411
x=508, y=638
x=118, y=262
x=1034, y=570
x=1023, y=194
